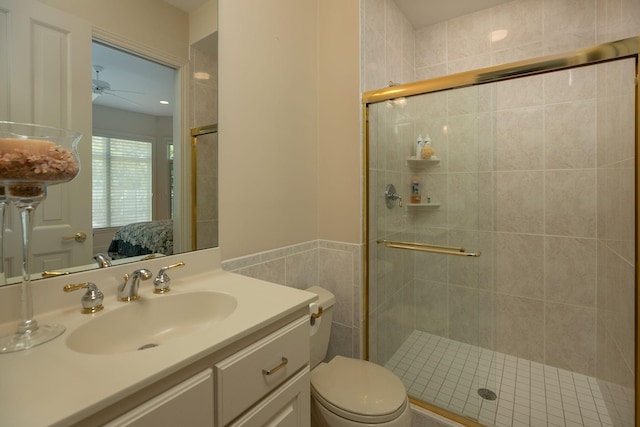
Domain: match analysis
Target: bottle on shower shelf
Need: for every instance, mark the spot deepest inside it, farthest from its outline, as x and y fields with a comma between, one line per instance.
x=415, y=190
x=419, y=147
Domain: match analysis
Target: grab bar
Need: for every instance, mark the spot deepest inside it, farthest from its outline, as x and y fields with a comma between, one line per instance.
x=426, y=247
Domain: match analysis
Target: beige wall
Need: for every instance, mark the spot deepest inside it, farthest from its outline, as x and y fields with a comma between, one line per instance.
x=268, y=125
x=203, y=21
x=339, y=141
x=169, y=32
x=289, y=124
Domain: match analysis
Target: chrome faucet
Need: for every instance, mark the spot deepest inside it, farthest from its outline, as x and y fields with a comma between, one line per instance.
x=128, y=291
x=102, y=260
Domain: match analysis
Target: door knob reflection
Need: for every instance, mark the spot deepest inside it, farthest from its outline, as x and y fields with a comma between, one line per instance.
x=79, y=237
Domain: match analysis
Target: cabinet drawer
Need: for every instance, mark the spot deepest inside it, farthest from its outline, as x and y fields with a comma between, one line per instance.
x=245, y=377
x=188, y=403
x=288, y=406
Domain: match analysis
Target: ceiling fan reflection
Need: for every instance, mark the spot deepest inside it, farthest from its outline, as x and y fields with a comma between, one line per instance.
x=102, y=87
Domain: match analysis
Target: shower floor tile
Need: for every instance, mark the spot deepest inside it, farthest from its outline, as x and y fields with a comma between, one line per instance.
x=450, y=374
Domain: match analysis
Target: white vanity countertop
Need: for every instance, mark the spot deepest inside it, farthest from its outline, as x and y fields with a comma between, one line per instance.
x=53, y=385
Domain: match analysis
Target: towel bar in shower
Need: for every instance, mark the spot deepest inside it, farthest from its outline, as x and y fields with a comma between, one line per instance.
x=426, y=247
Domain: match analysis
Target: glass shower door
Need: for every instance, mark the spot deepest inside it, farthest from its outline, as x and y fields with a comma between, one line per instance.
x=430, y=258
x=537, y=176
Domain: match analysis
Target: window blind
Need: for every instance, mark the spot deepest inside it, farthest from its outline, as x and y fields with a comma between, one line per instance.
x=122, y=181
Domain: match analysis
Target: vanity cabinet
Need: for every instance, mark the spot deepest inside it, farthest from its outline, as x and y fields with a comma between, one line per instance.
x=191, y=398
x=289, y=406
x=216, y=370
x=262, y=382
x=272, y=373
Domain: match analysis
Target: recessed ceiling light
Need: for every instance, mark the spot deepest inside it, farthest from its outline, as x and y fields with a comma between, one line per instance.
x=164, y=102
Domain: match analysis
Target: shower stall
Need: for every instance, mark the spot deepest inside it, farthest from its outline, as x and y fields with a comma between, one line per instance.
x=505, y=294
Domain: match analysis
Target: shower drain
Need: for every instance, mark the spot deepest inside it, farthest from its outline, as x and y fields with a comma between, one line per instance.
x=487, y=394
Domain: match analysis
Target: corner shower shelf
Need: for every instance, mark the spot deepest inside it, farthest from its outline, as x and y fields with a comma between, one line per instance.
x=415, y=162
x=423, y=205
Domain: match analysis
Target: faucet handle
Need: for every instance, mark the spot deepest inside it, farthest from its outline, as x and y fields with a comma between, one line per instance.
x=50, y=273
x=91, y=300
x=162, y=280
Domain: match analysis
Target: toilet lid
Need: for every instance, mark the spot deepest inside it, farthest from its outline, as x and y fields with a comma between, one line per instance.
x=359, y=390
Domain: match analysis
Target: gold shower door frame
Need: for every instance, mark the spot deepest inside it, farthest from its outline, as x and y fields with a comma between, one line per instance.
x=621, y=49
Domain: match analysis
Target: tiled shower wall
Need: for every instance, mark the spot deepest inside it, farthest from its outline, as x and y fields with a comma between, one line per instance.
x=615, y=308
x=546, y=298
x=392, y=50
x=204, y=82
x=335, y=266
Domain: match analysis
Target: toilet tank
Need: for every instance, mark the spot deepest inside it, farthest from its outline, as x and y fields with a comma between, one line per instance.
x=320, y=326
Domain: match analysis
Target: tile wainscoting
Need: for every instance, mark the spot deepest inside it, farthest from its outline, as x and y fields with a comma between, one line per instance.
x=335, y=266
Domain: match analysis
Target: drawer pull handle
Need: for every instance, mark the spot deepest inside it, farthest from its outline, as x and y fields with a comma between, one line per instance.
x=276, y=368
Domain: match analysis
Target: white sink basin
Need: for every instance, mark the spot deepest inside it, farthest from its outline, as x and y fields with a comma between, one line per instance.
x=148, y=323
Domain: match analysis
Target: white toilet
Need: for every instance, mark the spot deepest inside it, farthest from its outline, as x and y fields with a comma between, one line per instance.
x=350, y=392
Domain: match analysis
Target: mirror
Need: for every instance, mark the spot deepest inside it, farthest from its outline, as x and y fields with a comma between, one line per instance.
x=171, y=213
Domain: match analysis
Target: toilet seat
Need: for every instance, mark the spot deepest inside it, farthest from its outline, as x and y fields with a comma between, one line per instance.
x=358, y=390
